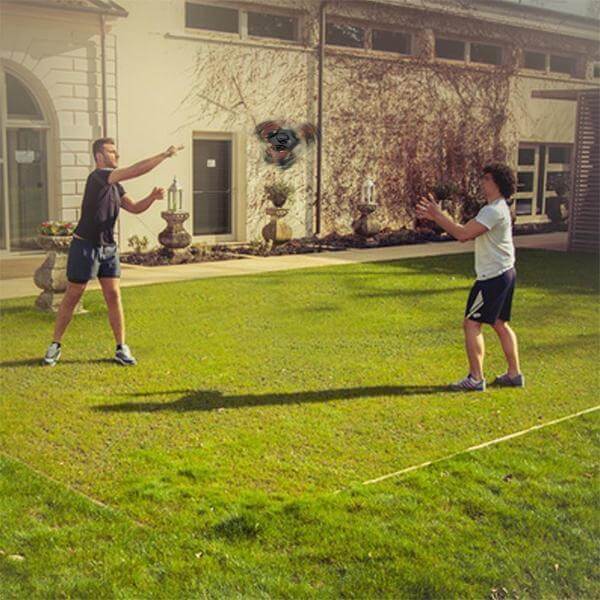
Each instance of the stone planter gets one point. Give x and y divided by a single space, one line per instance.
277 231
366 224
51 276
174 236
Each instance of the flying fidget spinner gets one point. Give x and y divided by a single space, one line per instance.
284 143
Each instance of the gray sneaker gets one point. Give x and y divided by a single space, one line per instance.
124 357
52 355
506 381
469 384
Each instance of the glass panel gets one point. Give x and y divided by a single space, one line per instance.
559 155
27 186
20 103
526 156
215 18
596 71
562 64
534 60
212 187
450 49
554 178
524 206
345 35
486 53
272 26
525 182
391 41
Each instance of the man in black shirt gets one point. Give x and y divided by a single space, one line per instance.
93 251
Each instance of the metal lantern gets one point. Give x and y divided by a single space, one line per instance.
175 196
367 195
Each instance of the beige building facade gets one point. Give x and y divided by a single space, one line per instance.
413 93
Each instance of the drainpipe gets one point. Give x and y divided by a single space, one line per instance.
103 82
320 114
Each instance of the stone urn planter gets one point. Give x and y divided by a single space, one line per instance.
276 231
51 276
174 236
366 224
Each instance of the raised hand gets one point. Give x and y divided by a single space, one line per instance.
173 150
428 208
158 193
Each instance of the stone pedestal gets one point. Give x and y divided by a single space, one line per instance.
277 231
366 224
174 236
51 276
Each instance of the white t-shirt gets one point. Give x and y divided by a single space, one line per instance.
494 249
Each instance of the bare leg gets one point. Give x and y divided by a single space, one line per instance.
508 339
112 295
67 306
475 347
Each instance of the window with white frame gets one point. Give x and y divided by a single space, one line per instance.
359 35
473 52
270 23
540 168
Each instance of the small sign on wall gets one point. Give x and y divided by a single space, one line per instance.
211 162
25 157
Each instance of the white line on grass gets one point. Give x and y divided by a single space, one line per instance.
72 489
479 446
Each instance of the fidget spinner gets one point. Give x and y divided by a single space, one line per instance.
284 143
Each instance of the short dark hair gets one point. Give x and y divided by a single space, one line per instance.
503 177
99 143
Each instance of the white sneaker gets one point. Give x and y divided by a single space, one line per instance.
52 355
124 356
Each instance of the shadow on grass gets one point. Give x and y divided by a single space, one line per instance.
207 400
37 362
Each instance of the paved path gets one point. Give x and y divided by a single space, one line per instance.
17 287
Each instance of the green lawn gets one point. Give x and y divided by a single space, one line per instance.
257 398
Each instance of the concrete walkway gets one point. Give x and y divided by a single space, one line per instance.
17 287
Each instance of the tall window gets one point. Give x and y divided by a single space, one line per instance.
540 168
24 198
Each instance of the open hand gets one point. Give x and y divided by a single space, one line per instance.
173 150
158 193
428 208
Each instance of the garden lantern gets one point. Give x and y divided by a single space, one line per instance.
175 196
367 195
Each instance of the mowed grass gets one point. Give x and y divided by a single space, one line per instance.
257 398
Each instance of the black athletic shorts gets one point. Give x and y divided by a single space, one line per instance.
491 299
87 261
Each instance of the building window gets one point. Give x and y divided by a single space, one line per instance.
213 18
534 60
391 41
596 71
272 26
20 104
562 64
542 168
486 53
450 49
338 34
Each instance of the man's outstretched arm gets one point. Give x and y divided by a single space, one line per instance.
429 209
140 206
142 167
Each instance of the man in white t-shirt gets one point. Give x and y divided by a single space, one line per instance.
490 299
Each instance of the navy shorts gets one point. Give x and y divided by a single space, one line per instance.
491 299
87 261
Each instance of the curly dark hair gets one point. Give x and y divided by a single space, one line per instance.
503 177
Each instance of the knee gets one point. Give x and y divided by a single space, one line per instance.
500 326
470 325
74 293
112 297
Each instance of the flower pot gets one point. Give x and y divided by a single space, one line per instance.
174 236
276 230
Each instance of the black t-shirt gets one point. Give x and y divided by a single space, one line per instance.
100 208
